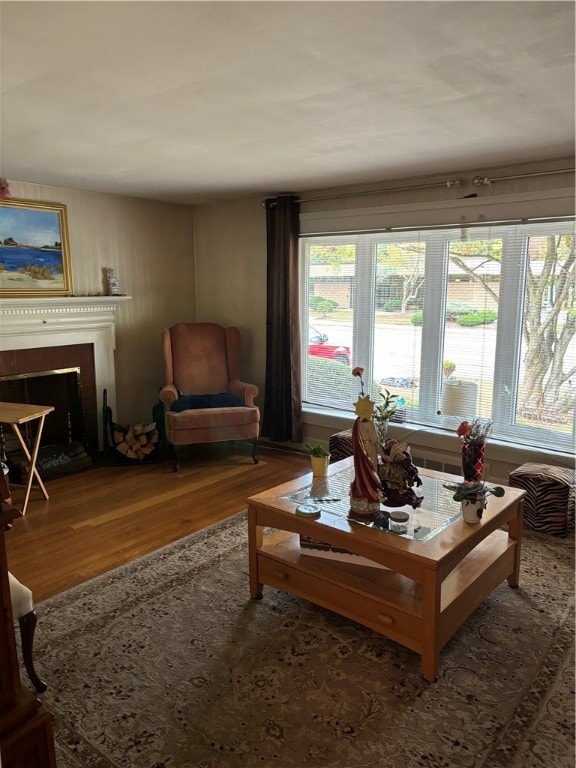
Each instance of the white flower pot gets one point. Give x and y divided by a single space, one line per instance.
472 510
320 465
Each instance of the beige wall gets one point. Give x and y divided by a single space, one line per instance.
150 245
230 248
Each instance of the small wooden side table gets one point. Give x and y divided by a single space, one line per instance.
16 414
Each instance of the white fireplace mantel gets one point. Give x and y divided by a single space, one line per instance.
53 322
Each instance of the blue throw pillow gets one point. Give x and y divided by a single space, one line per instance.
221 400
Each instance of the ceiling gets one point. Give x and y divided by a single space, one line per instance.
196 101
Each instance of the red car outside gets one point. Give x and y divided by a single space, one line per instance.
318 347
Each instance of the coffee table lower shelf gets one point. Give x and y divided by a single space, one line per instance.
381 599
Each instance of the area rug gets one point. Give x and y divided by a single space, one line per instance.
167 663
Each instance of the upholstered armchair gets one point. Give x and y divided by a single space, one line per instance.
204 399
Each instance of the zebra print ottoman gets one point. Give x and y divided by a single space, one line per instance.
549 501
340 445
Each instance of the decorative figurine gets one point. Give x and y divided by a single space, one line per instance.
366 488
399 474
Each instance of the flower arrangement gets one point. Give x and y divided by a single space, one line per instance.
472 491
386 409
474 432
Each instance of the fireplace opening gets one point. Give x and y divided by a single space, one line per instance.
64 447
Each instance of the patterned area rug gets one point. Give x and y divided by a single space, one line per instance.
167 663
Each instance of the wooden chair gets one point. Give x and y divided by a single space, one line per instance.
23 610
22 607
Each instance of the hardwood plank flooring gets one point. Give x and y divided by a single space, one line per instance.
106 516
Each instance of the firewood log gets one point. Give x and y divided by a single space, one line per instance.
129 437
140 429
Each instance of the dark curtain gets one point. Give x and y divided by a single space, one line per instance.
282 420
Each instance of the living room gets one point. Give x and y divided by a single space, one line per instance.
166 254
185 230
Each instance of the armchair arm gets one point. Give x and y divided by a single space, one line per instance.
168 395
248 392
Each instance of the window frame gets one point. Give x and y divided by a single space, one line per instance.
507 359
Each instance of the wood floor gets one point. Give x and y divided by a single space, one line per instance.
106 516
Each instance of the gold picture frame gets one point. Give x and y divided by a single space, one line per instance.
34 251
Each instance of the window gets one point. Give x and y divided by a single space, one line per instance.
476 321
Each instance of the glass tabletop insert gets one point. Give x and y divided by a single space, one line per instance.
438 508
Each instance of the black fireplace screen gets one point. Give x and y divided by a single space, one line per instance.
64 447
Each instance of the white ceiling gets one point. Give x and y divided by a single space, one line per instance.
193 101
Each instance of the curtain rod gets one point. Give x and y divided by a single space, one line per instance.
451 184
484 181
471 225
477 181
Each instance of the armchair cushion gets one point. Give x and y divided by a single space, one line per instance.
221 400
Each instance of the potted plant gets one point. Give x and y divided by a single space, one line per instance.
319 458
473 436
472 497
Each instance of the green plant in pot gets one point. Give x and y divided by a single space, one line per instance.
471 491
385 410
472 497
319 458
317 450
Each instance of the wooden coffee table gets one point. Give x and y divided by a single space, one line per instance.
418 587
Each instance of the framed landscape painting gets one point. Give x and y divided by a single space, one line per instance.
34 255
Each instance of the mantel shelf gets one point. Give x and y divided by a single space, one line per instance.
44 302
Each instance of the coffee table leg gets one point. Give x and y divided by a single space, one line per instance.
255 539
515 532
430 621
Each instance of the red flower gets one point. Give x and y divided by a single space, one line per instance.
464 429
474 432
358 371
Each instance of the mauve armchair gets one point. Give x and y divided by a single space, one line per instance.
204 399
